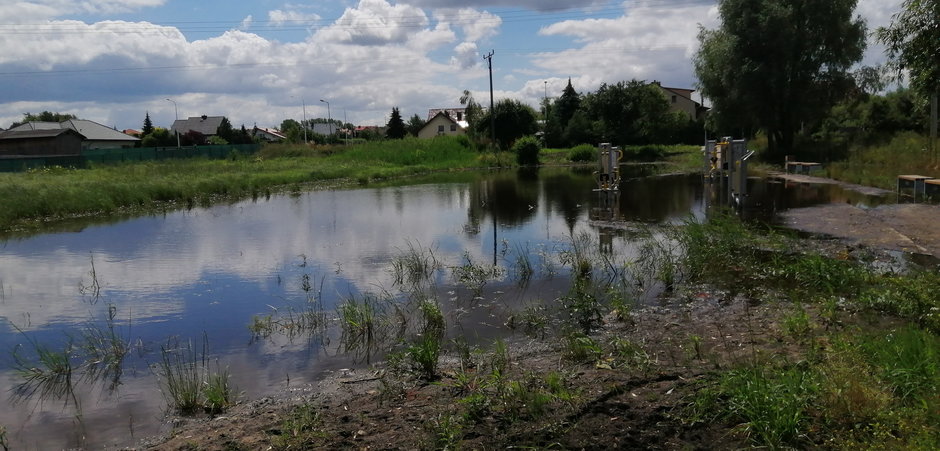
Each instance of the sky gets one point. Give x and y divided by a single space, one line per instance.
260 62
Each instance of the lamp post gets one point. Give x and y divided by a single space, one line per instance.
304 105
329 118
176 112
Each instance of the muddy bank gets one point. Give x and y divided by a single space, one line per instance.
913 228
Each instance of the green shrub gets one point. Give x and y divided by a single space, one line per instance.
583 152
527 151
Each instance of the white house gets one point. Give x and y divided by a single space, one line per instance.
444 122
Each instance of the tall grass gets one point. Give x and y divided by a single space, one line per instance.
879 165
187 381
63 192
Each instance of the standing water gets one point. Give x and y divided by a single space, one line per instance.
197 279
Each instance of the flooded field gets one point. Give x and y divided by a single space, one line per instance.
257 289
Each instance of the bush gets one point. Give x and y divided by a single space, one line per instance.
583 152
527 151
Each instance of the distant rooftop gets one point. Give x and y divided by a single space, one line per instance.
91 130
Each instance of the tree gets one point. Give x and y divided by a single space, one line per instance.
913 43
472 111
781 62
632 112
159 137
415 124
292 130
148 126
396 126
567 105
513 119
226 132
45 116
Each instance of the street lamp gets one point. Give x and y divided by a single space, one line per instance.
176 111
328 116
304 104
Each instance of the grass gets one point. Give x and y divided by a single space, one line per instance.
189 384
300 430
879 165
63 192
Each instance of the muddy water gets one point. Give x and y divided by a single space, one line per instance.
201 275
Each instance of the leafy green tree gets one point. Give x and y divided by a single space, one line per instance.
226 131
45 116
913 43
159 137
781 62
148 125
630 112
415 124
513 119
472 111
396 126
292 130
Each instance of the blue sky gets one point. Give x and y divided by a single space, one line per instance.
259 62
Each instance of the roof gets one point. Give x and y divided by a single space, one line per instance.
206 125
33 134
91 130
271 131
444 114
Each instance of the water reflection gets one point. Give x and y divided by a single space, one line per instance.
230 271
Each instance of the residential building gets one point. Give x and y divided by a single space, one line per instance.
97 136
680 100
205 125
443 123
41 142
325 129
270 135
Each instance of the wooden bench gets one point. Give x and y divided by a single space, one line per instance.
801 167
932 188
919 182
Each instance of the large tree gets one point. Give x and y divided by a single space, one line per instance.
396 126
913 43
415 124
513 119
148 125
778 63
627 112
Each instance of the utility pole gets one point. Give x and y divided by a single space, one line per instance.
489 60
304 105
933 126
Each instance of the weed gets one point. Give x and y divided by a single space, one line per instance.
625 353
181 381
218 392
581 348
444 432
424 356
432 318
104 350
476 407
49 377
533 321
415 265
909 361
771 404
582 306
797 323
300 430
261 326
695 347
362 321
472 275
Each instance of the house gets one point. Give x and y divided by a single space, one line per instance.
132 132
97 136
680 100
270 135
41 142
444 122
205 125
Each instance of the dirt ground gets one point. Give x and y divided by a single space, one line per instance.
908 227
686 336
617 408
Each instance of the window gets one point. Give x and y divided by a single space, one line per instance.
453 127
440 128
459 116
673 99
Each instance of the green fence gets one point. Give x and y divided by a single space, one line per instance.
113 156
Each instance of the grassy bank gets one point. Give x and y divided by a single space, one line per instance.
62 192
906 153
28 198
